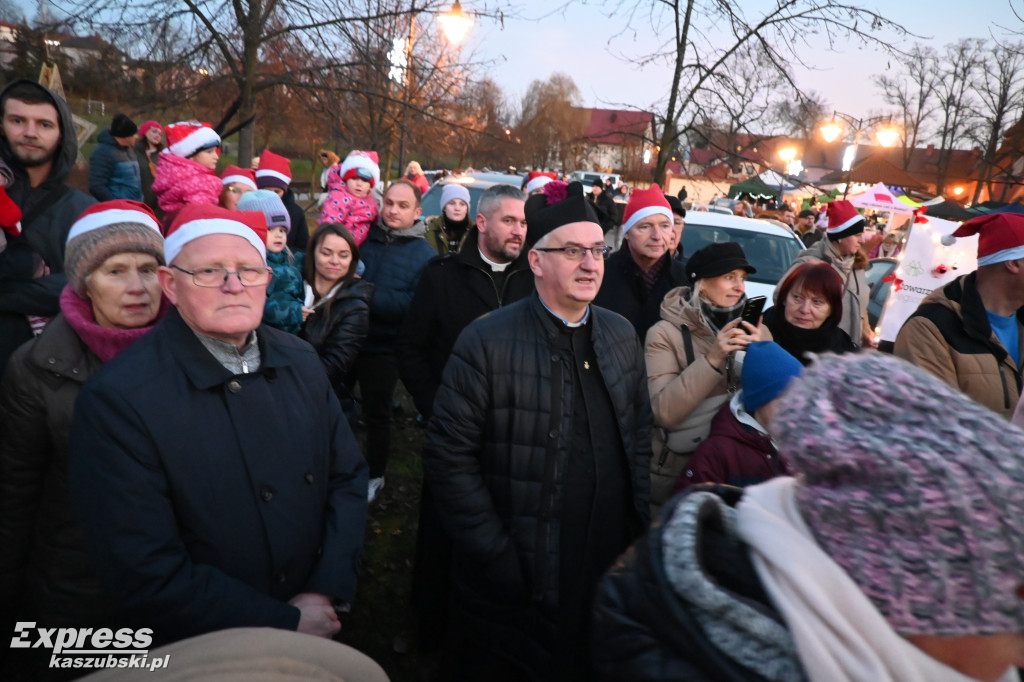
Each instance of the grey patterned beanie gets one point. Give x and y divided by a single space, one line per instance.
914 489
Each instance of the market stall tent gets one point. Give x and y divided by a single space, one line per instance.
881 199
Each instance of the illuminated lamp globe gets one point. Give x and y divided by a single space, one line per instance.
455 24
887 136
831 131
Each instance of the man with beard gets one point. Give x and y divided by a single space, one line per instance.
38 144
490 271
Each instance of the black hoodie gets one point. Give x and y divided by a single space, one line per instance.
48 213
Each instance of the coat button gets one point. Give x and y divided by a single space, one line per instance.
282 577
552 434
320 551
266 493
74 370
309 478
554 358
234 386
52 361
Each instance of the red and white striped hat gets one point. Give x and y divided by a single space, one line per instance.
1000 236
843 220
110 212
198 220
243 176
274 171
185 138
643 204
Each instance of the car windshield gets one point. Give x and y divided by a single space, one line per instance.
432 199
770 254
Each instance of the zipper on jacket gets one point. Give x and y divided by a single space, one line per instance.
1006 389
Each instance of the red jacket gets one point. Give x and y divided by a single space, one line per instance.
734 454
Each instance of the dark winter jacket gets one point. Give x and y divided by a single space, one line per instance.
46 574
623 290
285 293
453 291
208 500
394 261
607 211
337 330
441 236
298 236
734 453
496 458
146 172
950 336
47 214
114 171
709 619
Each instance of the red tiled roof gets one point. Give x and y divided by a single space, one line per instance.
618 126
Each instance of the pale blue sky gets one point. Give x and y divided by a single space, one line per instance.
577 43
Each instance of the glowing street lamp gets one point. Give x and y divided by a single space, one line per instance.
788 156
831 131
455 24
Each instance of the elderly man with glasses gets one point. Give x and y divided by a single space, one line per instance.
217 480
537 457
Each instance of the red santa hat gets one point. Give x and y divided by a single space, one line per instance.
843 220
199 220
107 228
360 164
110 212
243 176
537 179
1000 236
274 171
185 138
643 204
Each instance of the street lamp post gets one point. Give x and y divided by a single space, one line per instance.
454 24
787 154
886 135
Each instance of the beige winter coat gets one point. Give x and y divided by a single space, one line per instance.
684 396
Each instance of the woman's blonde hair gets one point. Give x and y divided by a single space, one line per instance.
414 168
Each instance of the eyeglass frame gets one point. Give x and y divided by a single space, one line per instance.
604 250
227 273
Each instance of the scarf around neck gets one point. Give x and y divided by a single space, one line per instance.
719 316
839 633
105 342
796 340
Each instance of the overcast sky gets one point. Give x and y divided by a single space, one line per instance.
576 43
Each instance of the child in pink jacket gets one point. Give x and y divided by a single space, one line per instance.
186 172
350 201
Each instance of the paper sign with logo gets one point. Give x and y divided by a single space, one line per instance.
880 198
925 264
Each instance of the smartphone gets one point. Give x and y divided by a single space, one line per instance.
752 310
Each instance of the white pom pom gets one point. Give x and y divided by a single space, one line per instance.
948 240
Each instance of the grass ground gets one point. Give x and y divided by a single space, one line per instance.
381 623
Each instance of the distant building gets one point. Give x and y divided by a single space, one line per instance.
616 140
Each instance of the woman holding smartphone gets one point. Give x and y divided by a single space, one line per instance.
691 357
341 305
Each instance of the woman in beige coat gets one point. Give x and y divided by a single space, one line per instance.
691 357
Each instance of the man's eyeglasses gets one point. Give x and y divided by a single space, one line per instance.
213 278
577 253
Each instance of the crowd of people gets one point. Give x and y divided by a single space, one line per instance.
627 474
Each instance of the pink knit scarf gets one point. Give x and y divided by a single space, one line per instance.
105 342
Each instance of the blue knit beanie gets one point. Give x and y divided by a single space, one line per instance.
767 371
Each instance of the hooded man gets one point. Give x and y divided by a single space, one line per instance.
537 457
38 143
